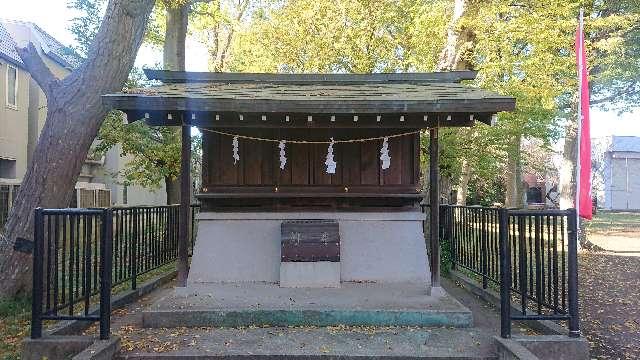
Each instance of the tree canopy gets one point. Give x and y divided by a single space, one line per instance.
523 49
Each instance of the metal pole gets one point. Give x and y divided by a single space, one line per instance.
484 256
579 49
505 273
38 258
452 242
106 256
133 253
185 202
572 268
434 204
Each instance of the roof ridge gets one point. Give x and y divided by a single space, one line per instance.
51 46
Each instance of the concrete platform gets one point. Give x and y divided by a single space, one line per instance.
260 304
322 343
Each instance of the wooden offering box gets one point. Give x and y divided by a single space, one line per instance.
310 253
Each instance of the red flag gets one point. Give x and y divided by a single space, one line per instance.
583 193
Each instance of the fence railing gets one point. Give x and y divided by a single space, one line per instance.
531 255
71 263
81 254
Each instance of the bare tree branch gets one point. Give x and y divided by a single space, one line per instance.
38 69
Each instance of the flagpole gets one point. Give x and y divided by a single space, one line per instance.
579 49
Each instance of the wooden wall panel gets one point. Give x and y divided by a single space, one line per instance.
251 160
350 163
300 163
369 163
358 163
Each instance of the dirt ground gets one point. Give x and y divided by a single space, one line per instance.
610 287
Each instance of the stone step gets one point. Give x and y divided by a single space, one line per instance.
341 342
262 304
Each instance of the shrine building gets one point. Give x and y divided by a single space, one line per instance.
314 180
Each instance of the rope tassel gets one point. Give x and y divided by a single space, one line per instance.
330 162
236 155
283 158
384 154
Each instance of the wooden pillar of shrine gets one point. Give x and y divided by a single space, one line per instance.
185 204
434 205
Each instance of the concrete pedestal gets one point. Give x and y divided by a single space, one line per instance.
378 247
319 274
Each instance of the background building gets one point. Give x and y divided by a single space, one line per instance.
621 173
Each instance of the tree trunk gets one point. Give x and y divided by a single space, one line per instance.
463 186
175 38
455 54
568 169
174 58
74 115
513 197
172 187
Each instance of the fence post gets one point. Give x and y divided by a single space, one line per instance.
106 262
572 268
134 250
505 273
38 257
484 254
449 232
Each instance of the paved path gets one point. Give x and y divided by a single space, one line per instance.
469 343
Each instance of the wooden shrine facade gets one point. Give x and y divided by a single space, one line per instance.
359 183
314 108
244 118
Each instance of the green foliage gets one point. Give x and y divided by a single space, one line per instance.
85 26
329 36
522 49
152 153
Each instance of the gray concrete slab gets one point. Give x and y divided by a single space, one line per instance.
245 304
317 343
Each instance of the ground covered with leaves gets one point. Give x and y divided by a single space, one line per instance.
14 325
610 287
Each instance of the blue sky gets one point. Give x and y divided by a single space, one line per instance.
54 17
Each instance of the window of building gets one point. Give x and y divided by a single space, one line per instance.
7 169
12 87
4 204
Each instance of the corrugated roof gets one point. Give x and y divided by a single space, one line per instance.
8 47
625 144
415 100
312 98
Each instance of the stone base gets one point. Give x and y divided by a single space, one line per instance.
380 247
251 304
319 274
341 343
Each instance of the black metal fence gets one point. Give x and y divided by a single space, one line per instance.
531 255
71 263
81 254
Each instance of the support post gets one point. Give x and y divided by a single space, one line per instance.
185 202
505 273
106 262
434 204
38 273
572 267
133 252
